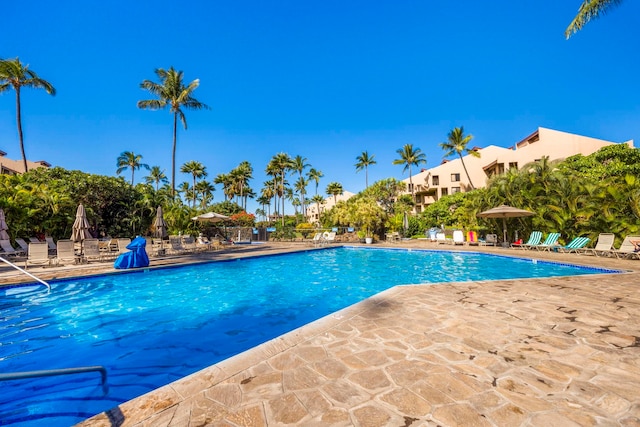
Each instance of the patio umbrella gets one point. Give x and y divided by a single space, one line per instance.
159 225
405 222
80 229
504 212
211 217
3 226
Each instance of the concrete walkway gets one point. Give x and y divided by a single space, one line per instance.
542 352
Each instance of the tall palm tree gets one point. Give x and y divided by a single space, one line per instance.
130 160
318 200
410 157
172 92
14 74
224 179
280 164
299 164
241 175
315 175
334 189
205 189
364 161
589 9
156 176
196 169
457 143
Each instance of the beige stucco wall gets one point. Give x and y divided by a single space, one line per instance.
312 210
544 142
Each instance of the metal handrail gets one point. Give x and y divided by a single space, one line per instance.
53 372
26 272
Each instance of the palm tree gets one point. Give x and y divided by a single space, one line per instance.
172 92
240 176
156 176
409 157
364 161
589 9
278 166
14 74
315 175
334 189
224 179
196 169
205 189
318 200
298 164
457 144
130 160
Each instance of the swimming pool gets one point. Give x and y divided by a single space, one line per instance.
150 328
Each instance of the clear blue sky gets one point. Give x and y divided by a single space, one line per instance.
322 79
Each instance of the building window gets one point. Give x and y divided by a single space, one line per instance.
455 177
513 165
455 190
436 180
444 191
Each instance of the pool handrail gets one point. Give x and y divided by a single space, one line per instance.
26 272
53 372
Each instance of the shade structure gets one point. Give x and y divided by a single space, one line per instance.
159 225
504 212
405 222
80 229
3 226
211 217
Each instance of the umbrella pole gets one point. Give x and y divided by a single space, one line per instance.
504 231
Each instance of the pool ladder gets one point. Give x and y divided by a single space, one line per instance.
54 372
25 272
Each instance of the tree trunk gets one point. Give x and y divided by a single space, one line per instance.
19 123
173 155
467 172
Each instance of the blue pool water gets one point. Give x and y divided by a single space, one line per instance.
151 328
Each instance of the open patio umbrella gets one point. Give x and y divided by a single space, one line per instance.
3 226
504 212
159 225
211 217
80 229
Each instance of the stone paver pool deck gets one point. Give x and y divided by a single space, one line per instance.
541 352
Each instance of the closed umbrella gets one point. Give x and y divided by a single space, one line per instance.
159 225
504 212
80 229
405 222
3 226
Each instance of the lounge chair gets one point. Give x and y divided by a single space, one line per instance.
534 239
34 240
65 252
573 246
38 255
472 238
550 241
441 238
317 238
7 249
51 244
91 250
189 244
23 245
330 237
175 243
489 240
458 237
122 245
604 245
627 249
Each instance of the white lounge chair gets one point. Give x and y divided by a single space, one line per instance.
458 237
23 245
38 255
91 250
627 249
65 252
7 249
604 245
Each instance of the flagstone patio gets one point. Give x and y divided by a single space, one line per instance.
541 352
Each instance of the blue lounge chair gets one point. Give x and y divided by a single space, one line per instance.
573 246
534 239
551 240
